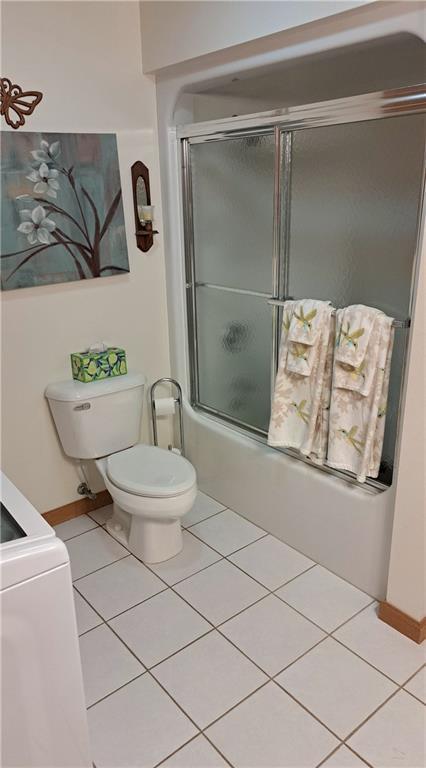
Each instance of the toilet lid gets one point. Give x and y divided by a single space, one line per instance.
148 471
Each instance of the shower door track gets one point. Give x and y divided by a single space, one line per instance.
282 123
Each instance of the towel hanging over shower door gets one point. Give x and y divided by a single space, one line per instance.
299 416
362 359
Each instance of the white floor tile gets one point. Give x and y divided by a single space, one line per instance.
137 726
395 735
220 591
74 527
208 678
417 685
194 556
119 586
269 730
336 686
106 663
343 758
93 550
271 562
86 617
227 532
159 627
203 508
102 514
197 754
324 598
272 634
381 645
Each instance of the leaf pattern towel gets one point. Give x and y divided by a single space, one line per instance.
357 420
298 406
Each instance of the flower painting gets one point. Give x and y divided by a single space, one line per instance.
62 214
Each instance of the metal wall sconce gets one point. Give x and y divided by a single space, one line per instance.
144 211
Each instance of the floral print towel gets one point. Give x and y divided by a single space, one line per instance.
304 335
298 407
357 414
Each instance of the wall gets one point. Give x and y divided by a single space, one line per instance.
407 568
217 25
86 59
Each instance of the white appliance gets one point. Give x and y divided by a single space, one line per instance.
43 712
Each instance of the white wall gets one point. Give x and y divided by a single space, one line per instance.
86 59
407 568
173 32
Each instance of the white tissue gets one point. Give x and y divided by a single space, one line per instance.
100 346
164 406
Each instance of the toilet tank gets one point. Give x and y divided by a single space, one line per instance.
97 418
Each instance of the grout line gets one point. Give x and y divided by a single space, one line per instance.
203 520
107 695
197 735
391 680
100 568
77 535
366 719
130 608
184 647
284 583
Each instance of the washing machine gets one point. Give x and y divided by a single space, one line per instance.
43 713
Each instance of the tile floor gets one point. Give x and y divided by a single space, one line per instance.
238 652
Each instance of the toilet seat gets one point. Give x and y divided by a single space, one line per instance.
146 470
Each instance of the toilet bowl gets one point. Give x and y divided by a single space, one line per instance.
151 488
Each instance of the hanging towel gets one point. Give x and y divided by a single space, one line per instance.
355 369
359 390
298 395
306 326
320 442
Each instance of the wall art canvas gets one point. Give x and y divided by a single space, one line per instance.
61 209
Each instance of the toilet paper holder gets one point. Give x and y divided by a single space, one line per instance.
178 404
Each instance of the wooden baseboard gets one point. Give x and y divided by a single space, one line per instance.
76 508
415 630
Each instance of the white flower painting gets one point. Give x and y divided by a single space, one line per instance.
62 214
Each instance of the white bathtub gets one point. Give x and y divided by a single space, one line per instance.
345 528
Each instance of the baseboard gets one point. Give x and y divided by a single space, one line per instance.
415 630
76 508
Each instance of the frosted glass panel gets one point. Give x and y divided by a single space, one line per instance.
355 192
233 187
234 354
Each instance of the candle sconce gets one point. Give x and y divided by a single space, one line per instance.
144 211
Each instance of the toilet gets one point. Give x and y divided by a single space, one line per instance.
151 488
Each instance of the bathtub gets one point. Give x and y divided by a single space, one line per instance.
339 525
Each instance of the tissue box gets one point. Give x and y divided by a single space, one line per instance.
94 366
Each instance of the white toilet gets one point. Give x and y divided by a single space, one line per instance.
152 488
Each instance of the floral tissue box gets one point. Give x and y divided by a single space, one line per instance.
94 366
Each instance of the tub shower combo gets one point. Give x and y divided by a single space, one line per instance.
321 201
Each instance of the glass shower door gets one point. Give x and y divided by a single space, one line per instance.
353 210
232 183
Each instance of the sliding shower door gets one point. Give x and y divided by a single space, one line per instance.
301 209
354 204
232 184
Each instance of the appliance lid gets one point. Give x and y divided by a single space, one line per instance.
149 471
35 551
72 390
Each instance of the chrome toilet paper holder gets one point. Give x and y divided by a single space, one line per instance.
178 403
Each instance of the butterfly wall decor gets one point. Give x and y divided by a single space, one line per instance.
16 104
